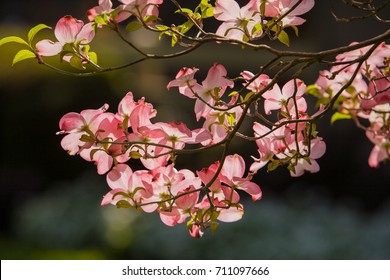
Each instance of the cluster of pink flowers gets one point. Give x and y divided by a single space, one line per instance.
67 31
111 140
77 35
208 104
357 85
291 140
367 99
127 8
247 22
287 143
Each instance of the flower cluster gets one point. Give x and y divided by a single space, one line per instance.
219 118
291 140
109 140
210 194
74 36
252 20
281 124
138 8
360 84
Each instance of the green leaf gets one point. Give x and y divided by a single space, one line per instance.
204 3
93 57
339 116
185 11
135 155
208 12
206 8
123 204
307 159
76 62
86 48
257 28
262 7
12 39
133 26
340 100
313 128
125 123
221 119
101 19
93 152
164 31
124 194
33 31
283 38
273 165
284 114
214 226
23 55
351 90
162 27
313 90
150 18
249 95
185 27
160 35
214 215
87 138
67 48
231 118
175 39
295 30
137 189
291 167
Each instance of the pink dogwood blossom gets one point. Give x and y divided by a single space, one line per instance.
206 94
330 86
78 124
104 7
381 140
103 152
220 123
126 185
280 8
265 146
175 135
257 84
135 113
305 161
222 195
282 99
212 88
68 30
139 8
167 183
238 23
184 81
379 93
232 174
373 62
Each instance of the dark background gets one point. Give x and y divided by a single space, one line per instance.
50 202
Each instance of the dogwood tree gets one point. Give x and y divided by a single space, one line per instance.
354 84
